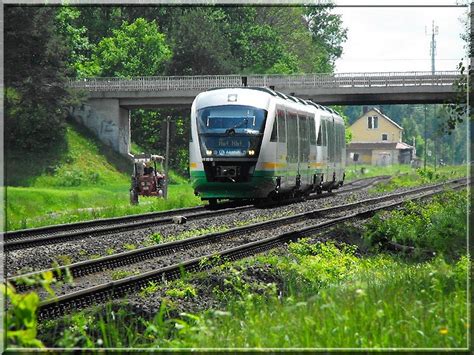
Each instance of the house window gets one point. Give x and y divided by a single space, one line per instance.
384 137
372 122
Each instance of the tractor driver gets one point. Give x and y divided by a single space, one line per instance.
148 169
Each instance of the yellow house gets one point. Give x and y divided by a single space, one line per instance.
377 140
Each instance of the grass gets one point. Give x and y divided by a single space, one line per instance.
419 177
35 207
83 183
383 303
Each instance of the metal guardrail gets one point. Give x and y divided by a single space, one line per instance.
203 82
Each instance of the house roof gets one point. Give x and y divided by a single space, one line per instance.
379 145
381 114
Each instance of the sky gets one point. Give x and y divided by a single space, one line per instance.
382 39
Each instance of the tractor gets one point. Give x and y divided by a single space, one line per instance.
148 177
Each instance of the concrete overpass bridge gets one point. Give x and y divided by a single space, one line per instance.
107 110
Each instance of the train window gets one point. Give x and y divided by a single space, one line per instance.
221 119
319 141
325 142
312 131
292 141
281 126
274 136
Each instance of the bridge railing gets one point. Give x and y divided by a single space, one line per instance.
203 82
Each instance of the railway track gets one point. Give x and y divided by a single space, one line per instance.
65 232
119 288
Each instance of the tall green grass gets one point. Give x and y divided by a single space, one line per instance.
384 303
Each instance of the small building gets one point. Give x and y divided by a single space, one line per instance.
377 140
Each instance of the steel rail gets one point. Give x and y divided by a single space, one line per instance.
117 289
106 229
66 232
87 267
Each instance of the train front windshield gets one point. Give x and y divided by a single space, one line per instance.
231 131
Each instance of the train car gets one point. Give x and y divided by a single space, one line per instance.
256 143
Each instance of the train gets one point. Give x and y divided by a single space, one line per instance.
255 143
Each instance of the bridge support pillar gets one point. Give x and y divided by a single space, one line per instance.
108 121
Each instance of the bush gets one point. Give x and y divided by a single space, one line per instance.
440 225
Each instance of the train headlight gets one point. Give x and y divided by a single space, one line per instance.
251 152
209 152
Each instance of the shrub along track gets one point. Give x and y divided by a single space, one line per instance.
218 247
28 238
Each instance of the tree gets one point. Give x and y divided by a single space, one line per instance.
328 34
35 77
136 49
199 44
80 48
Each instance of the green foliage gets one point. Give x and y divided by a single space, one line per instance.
199 45
328 34
149 289
20 317
439 226
181 289
156 238
261 51
121 274
322 263
357 313
136 49
128 246
78 43
35 74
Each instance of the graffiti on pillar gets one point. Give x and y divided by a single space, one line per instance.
105 129
109 132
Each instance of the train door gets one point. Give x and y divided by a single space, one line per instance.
292 146
324 148
303 151
281 152
312 166
337 149
331 149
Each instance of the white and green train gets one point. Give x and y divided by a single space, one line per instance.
256 143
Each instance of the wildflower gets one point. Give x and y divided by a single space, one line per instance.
100 342
443 330
360 292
